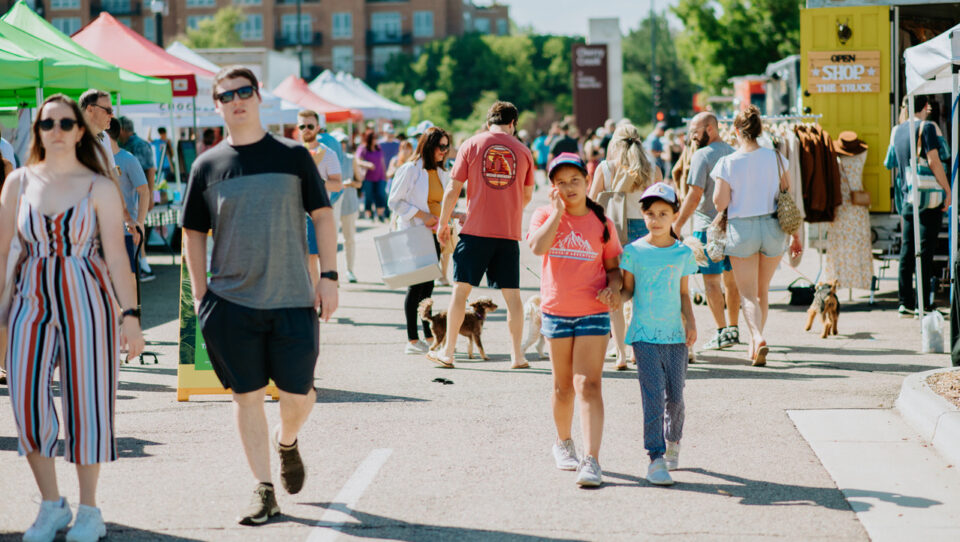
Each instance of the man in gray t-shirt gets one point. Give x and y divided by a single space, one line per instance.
705 134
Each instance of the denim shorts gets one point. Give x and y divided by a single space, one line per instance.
750 235
636 228
561 327
712 268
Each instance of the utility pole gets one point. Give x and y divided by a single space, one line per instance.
300 39
653 62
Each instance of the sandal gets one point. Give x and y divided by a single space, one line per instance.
442 361
760 358
524 366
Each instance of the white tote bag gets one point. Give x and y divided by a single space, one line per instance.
407 257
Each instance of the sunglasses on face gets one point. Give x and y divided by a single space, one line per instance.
107 110
307 127
443 148
244 93
66 124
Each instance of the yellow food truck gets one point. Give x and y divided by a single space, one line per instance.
852 71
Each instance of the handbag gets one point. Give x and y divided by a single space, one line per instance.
408 257
787 212
860 198
614 205
717 237
923 180
15 257
801 295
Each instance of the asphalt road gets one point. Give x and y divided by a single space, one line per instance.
393 455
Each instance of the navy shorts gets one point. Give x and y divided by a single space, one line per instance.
499 259
131 252
249 347
712 268
312 247
561 327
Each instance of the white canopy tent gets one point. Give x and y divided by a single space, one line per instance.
349 92
933 67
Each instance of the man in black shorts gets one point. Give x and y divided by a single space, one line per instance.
258 314
498 170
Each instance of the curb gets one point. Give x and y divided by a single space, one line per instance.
935 418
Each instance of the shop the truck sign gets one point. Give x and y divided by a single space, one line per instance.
843 72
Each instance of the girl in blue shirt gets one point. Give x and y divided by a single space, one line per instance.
655 269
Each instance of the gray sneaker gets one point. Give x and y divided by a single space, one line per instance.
88 527
589 473
565 454
53 516
262 506
715 343
658 474
732 334
672 457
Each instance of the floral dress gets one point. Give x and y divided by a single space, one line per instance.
849 250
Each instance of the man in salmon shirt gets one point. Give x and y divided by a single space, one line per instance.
498 171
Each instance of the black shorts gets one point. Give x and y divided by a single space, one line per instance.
248 347
498 258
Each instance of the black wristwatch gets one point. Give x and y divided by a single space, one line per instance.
331 275
130 312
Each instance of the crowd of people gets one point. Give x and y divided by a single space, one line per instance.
81 197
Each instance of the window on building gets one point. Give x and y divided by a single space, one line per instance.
503 27
342 25
288 27
200 3
386 25
343 58
64 4
150 28
482 25
423 24
116 6
193 21
67 25
251 29
248 2
125 21
382 55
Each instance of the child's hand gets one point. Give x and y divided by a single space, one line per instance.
690 327
609 297
556 202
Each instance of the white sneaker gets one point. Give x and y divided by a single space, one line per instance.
53 516
351 277
672 457
565 454
416 348
658 474
589 473
89 526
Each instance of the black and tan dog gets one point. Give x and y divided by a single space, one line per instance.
826 304
471 328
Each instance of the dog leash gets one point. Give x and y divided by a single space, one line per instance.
534 273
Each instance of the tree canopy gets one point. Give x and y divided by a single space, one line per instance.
220 31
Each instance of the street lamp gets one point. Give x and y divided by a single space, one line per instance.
158 8
419 95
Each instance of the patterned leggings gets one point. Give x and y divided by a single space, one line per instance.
662 370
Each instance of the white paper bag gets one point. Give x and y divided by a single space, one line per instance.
407 257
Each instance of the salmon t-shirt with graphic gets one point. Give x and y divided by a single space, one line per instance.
495 166
574 264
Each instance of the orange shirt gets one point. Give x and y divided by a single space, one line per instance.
434 193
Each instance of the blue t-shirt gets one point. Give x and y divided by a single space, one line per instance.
390 149
131 178
656 292
159 147
542 149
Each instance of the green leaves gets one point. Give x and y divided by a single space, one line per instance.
218 32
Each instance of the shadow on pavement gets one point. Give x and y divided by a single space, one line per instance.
127 447
350 322
384 528
760 493
327 395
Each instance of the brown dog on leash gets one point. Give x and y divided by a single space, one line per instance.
471 328
825 303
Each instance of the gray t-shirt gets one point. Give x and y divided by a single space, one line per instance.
254 198
131 178
701 164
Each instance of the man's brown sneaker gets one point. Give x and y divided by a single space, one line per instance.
292 471
263 506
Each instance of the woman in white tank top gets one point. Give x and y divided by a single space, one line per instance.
627 169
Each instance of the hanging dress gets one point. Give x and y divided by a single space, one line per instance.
849 250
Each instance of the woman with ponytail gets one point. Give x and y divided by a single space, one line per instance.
580 284
627 169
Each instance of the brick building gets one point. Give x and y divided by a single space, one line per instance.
357 36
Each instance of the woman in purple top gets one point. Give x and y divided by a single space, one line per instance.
375 184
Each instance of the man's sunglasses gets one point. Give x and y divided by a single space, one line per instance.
307 127
244 93
107 110
66 124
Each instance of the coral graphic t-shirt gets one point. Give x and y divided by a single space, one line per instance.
574 264
495 167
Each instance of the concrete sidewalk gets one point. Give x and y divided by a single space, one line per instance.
393 455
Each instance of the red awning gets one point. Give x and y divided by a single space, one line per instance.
118 44
293 89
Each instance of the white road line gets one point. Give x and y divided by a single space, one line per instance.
338 514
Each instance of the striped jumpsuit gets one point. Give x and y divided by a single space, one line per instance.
63 315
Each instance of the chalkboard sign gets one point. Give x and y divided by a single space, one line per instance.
187 153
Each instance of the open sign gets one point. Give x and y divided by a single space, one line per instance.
843 71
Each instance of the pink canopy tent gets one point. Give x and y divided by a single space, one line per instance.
294 89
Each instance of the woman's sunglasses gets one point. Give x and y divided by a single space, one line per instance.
65 124
443 148
244 93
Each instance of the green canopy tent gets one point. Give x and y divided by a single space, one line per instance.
18 71
133 88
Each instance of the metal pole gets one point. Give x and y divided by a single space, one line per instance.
300 40
951 179
915 197
159 28
653 61
175 132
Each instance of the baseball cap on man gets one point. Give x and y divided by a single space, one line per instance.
388 128
566 159
661 191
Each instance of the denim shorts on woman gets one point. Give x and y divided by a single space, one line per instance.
748 236
561 327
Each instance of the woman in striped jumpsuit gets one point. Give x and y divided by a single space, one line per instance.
64 314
